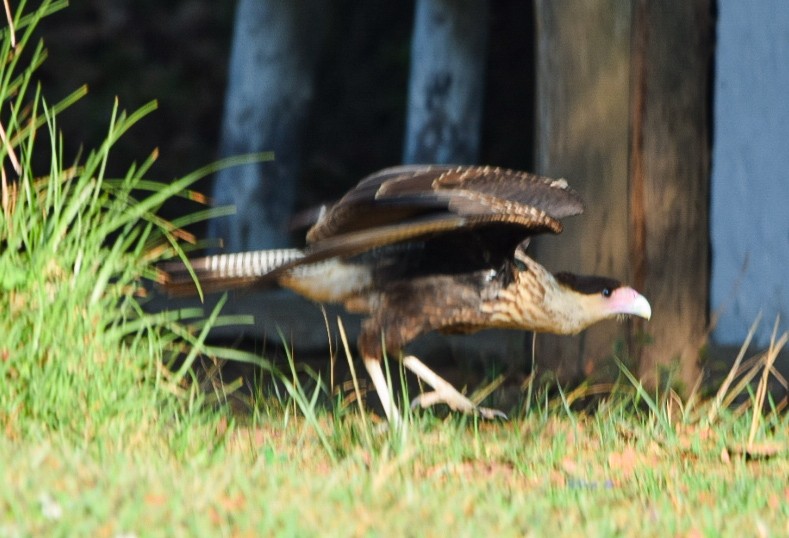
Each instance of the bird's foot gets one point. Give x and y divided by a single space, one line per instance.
444 392
456 402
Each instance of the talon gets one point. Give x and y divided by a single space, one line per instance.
491 414
428 399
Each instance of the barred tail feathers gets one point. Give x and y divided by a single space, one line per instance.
225 271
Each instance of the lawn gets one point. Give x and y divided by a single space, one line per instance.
108 430
609 474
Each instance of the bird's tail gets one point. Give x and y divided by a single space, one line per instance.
224 271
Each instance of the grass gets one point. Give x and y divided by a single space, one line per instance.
607 474
107 431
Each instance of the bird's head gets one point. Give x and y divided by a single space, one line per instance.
561 303
598 298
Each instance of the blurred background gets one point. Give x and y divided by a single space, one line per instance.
670 118
177 52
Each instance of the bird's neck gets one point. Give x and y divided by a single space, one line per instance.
534 300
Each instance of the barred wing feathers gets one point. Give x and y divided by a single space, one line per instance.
481 194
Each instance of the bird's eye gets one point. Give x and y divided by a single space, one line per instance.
606 292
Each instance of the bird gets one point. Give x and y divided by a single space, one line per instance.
423 248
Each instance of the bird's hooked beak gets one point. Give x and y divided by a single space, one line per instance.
628 302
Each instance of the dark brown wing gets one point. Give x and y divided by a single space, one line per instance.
479 194
441 204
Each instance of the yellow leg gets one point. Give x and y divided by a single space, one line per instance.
376 373
444 392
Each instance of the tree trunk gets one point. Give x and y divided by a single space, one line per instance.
274 50
446 83
622 108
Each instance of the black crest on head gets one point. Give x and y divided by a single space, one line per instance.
588 285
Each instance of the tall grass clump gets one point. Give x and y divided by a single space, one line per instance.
77 353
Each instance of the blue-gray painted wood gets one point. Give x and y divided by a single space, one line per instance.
750 169
274 50
446 84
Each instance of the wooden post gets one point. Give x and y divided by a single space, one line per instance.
447 80
582 134
670 154
270 86
622 113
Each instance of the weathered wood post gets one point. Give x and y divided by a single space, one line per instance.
270 85
669 179
582 134
622 101
446 83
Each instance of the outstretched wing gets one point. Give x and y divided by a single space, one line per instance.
406 203
482 194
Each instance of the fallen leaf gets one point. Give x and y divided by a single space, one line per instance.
570 466
155 499
624 461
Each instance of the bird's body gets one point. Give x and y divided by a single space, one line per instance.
432 248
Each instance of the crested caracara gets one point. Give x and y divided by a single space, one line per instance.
431 248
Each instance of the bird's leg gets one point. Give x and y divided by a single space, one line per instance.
376 373
444 392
